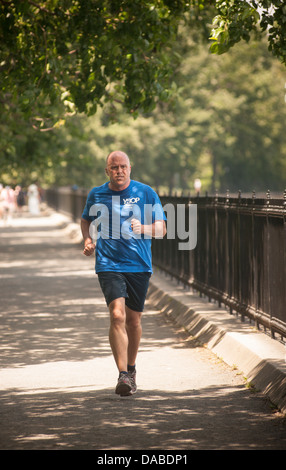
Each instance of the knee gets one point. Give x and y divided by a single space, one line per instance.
133 322
117 317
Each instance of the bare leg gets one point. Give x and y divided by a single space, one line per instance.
134 332
124 333
117 333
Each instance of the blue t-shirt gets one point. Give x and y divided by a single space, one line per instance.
110 213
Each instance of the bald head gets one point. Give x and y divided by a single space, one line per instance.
118 169
117 153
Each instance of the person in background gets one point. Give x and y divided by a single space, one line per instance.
33 199
20 198
1 201
8 204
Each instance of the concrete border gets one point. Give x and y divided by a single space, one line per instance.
260 358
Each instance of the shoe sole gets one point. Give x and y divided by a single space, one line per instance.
123 390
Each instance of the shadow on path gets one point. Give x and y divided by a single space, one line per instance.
56 364
192 419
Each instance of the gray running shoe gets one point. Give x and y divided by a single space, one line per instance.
132 378
123 387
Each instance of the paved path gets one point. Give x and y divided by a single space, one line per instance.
57 375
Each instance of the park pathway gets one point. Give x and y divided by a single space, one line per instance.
57 375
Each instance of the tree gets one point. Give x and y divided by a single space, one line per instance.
226 125
62 59
231 114
237 20
81 55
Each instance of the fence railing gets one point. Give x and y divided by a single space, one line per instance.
68 201
240 256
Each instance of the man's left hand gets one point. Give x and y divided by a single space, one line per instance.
136 226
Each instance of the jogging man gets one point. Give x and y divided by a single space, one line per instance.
126 215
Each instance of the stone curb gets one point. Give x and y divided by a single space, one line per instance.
260 358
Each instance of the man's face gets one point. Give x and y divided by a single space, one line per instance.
118 169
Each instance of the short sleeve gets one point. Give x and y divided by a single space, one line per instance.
157 210
88 204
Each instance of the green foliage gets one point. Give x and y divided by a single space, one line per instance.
238 115
237 20
226 127
73 75
84 54
78 56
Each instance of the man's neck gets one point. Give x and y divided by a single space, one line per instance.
118 187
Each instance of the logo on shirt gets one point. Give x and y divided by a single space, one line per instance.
131 200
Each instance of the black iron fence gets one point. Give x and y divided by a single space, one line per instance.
68 201
240 256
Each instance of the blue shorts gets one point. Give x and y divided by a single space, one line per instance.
132 286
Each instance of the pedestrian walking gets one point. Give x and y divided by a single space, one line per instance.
33 199
20 199
8 204
126 215
1 201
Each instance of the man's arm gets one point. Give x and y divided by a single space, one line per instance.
89 246
155 230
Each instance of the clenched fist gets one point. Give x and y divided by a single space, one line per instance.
136 226
89 249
